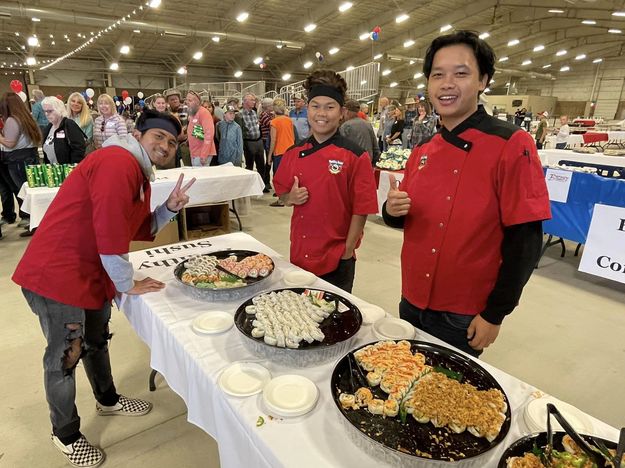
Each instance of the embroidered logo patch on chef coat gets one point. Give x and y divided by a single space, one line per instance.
335 166
423 161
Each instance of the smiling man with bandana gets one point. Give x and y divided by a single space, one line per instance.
328 181
77 260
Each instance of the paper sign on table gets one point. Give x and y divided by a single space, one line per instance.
604 252
558 183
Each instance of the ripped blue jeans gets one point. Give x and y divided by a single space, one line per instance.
73 334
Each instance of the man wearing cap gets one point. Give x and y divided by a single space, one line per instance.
175 107
230 138
409 116
253 149
77 261
541 131
359 131
299 116
201 132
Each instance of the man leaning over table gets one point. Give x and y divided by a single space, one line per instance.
76 262
471 204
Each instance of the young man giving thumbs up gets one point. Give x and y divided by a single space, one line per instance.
471 205
329 182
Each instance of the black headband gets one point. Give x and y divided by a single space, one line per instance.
157 122
324 90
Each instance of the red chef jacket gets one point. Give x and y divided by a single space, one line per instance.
99 209
465 187
340 183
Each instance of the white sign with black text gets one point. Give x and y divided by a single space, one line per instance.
558 184
604 252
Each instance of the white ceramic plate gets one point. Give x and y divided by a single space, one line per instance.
371 313
290 395
391 328
242 379
535 416
299 278
213 322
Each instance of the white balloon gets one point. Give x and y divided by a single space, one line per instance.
90 92
128 100
117 103
22 96
140 95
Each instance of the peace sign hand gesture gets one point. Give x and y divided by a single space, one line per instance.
178 197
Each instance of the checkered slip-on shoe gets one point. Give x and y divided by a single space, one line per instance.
125 407
81 453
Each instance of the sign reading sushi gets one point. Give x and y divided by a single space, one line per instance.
604 252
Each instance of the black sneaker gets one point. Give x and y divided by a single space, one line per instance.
125 407
266 190
81 453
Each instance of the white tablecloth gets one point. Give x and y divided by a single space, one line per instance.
213 185
192 363
553 156
577 139
384 186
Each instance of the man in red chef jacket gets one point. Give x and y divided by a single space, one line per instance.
78 259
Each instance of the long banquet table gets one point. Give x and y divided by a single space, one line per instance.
192 363
553 156
213 185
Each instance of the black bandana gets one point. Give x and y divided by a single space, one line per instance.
163 124
329 91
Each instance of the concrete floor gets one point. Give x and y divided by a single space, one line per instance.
566 338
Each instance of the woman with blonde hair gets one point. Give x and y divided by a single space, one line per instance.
64 141
108 123
78 111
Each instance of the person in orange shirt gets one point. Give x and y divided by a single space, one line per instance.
282 137
201 132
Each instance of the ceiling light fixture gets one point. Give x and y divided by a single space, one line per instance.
238 74
560 53
349 68
198 55
35 20
386 72
417 75
589 22
393 84
513 42
378 56
364 36
580 57
615 31
408 43
484 35
33 41
258 60
363 82
310 27
154 3
343 7
136 31
597 60
215 39
421 86
556 10
445 28
333 50
125 49
308 64
31 61
565 68
242 16
538 48
114 66
547 66
619 13
182 71
526 62
487 90
401 18
503 59
286 77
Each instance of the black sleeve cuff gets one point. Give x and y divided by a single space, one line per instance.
392 221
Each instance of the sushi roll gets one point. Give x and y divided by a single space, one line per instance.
270 340
391 408
291 343
347 400
457 427
373 379
376 406
253 273
420 417
363 397
258 332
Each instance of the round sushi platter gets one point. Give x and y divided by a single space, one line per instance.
224 275
401 439
537 441
326 324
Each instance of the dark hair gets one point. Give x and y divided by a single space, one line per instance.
11 105
148 114
425 105
326 78
484 54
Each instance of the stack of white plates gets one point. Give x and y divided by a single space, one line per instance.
535 416
391 328
299 278
212 322
371 313
242 379
290 395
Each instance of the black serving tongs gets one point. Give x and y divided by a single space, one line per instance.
594 453
356 376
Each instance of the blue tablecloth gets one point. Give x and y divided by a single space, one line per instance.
571 220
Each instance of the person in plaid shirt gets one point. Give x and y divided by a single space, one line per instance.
252 141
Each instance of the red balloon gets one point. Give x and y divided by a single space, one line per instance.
377 29
16 86
124 94
59 97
